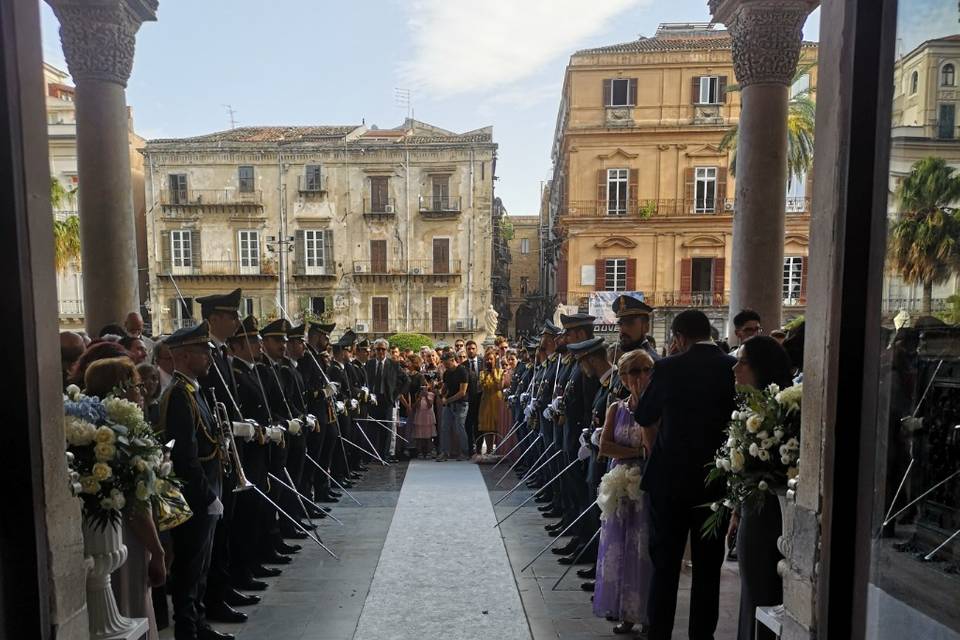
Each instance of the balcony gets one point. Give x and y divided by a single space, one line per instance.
64 215
70 308
913 305
442 326
180 323
377 269
438 207
187 203
380 209
310 185
681 299
434 268
380 326
649 209
223 270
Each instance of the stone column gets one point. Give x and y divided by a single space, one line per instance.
98 38
766 37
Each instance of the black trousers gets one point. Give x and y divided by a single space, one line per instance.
339 455
251 513
379 432
672 521
308 477
192 545
470 425
296 450
220 576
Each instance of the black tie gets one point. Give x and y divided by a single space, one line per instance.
379 376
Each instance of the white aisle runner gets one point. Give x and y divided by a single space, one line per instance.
443 572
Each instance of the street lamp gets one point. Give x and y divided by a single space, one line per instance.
281 246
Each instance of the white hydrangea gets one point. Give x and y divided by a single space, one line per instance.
754 449
122 411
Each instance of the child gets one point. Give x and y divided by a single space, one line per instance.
424 419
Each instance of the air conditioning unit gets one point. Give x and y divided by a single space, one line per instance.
361 268
460 325
388 208
416 271
728 206
361 327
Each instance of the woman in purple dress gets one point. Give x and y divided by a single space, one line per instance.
623 565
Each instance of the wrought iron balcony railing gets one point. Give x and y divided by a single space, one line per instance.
444 205
210 197
262 267
379 207
433 267
645 209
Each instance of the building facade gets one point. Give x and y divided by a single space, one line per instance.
642 195
524 246
378 230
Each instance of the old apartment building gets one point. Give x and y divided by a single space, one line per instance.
378 230
642 194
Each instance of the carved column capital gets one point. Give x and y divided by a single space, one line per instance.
766 37
99 36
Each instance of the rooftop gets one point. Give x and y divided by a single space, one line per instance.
268 134
675 36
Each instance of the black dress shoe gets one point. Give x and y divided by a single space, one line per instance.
572 558
260 571
236 599
354 475
222 612
347 484
552 514
327 498
209 633
306 524
587 586
554 528
545 507
334 494
276 558
542 499
283 547
567 549
587 574
250 584
293 533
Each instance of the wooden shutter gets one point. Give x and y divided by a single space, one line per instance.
600 275
689 190
719 280
327 304
632 91
195 252
632 188
721 190
686 280
803 279
381 318
607 92
562 280
695 92
299 249
172 304
378 256
165 266
722 89
601 191
438 315
328 262
441 255
631 274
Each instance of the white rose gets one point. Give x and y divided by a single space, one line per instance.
773 389
89 484
762 485
104 451
106 503
728 503
784 450
793 443
763 454
731 442
769 443
105 435
785 460
715 506
763 435
726 464
719 463
753 423
735 415
142 492
73 391
754 449
119 501
165 469
778 434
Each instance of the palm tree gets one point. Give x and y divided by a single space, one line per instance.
66 232
925 238
801 115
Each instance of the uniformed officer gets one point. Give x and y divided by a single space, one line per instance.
546 392
633 321
295 389
343 463
186 418
313 482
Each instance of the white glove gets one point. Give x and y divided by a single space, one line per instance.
244 430
584 453
311 421
595 438
911 424
583 439
524 397
511 398
548 413
528 412
354 405
365 393
294 427
555 405
330 390
275 434
341 408
373 399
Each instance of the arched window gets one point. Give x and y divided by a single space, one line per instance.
947 75
914 81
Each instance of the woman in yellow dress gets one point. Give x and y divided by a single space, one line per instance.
491 400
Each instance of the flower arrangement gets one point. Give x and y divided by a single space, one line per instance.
762 450
115 459
623 481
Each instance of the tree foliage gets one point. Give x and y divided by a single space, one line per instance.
411 341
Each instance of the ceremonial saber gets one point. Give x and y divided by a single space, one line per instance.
332 479
513 429
535 494
517 486
517 461
361 449
560 535
930 555
574 563
383 423
510 450
533 467
302 497
922 496
376 454
294 521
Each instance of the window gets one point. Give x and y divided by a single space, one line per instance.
378 256
621 92
181 251
802 85
245 179
705 199
792 279
524 246
797 193
183 313
709 90
701 276
947 121
248 243
318 305
177 183
439 317
914 81
312 177
615 274
948 75
441 193
441 255
379 194
314 252
588 275
247 307
524 285
381 314
617 183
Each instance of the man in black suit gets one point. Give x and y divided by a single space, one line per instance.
473 364
383 378
691 396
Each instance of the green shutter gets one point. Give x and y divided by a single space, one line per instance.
195 251
299 260
328 263
165 252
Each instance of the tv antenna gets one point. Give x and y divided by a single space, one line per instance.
401 98
232 113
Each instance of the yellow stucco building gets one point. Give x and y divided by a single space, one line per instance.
642 194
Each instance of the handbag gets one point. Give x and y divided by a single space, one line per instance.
171 510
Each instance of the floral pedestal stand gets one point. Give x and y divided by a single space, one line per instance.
105 548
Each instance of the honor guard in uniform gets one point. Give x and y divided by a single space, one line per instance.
592 356
218 385
546 392
187 418
295 389
318 344
344 467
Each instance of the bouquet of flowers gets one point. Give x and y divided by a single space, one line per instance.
623 481
115 459
762 450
